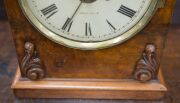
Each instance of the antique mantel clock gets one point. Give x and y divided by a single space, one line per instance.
88 48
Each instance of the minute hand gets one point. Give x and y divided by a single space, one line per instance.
76 10
69 20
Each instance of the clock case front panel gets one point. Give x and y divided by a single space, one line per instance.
71 73
117 62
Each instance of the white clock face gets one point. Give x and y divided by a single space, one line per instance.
89 20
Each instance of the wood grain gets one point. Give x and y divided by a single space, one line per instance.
85 88
8 65
114 63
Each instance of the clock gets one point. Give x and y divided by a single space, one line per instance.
89 48
89 24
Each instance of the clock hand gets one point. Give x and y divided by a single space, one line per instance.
69 20
76 10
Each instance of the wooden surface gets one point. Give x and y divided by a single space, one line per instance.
8 65
117 62
89 89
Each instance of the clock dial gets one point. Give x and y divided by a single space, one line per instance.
89 24
95 21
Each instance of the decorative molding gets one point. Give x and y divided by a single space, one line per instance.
31 65
147 67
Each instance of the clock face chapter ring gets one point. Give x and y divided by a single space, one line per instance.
90 41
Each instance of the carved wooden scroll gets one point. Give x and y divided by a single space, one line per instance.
31 65
147 67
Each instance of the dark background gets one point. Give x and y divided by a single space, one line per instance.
176 15
2 11
171 66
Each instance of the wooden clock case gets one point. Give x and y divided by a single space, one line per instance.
126 71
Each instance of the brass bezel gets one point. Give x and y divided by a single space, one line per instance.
89 46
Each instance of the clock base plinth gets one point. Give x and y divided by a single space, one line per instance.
88 88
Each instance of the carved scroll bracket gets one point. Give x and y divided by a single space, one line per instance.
147 67
31 65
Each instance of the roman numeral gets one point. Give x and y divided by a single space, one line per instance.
49 11
110 25
88 31
126 11
67 25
